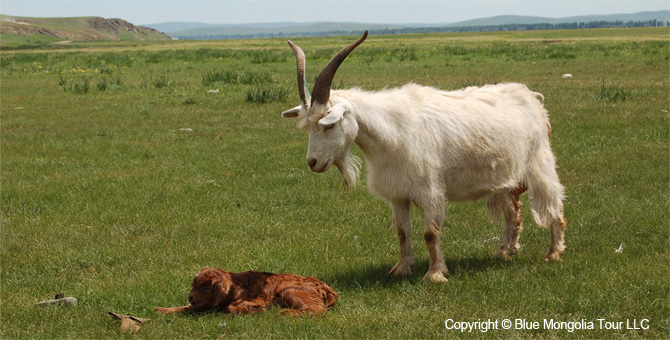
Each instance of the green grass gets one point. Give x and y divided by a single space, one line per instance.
118 196
611 92
265 94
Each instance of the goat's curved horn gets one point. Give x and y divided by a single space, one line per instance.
325 80
302 82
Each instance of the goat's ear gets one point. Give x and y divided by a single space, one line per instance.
292 113
333 115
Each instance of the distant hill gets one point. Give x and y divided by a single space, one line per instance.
194 30
208 31
171 27
517 19
23 30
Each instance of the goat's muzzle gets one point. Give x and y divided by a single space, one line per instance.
311 163
318 167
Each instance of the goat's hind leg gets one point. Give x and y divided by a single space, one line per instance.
557 246
403 225
510 205
546 203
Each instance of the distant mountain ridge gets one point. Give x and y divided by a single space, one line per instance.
517 19
285 29
194 30
171 27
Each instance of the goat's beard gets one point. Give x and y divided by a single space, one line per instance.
349 167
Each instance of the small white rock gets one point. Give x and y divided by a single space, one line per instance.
620 250
66 301
567 75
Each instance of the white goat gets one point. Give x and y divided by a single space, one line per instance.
427 146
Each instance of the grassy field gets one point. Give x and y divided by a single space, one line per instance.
122 176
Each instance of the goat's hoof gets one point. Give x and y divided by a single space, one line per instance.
504 254
401 269
435 277
553 256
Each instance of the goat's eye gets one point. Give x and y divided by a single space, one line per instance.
328 127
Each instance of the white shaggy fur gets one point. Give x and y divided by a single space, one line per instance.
427 146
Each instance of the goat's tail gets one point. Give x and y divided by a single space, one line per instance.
545 192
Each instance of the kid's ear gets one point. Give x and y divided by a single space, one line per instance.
334 115
292 113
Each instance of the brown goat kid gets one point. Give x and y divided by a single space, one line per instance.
252 291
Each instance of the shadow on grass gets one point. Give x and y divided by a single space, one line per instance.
376 276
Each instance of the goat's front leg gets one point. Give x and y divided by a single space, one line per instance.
403 225
434 215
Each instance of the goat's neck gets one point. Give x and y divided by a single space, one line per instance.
376 131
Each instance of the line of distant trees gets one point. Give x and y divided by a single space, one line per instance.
446 29
528 27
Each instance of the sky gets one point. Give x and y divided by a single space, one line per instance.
142 12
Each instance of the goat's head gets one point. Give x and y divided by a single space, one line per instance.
331 129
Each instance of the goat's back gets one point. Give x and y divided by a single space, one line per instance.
469 142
